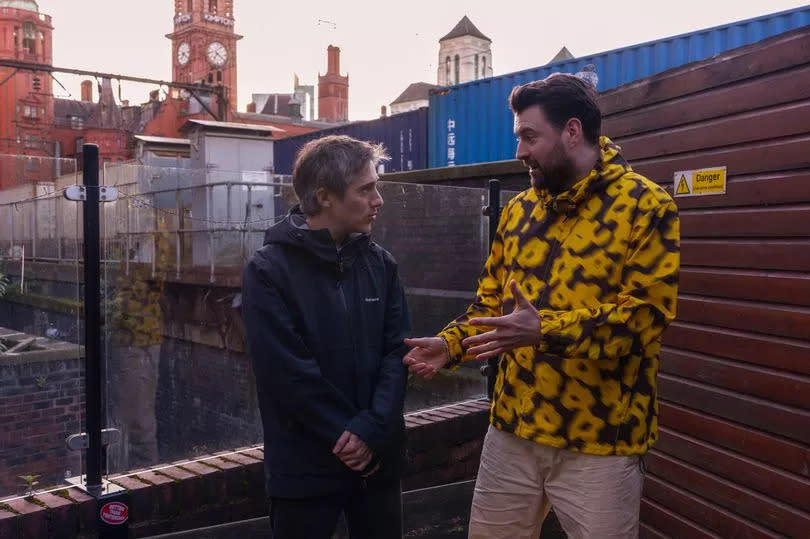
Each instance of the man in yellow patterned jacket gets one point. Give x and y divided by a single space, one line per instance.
580 283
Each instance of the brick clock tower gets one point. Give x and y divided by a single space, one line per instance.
204 44
26 97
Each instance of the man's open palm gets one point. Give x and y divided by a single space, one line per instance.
427 356
519 328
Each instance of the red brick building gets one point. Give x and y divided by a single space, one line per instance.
204 45
203 48
26 104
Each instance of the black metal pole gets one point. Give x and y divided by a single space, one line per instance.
494 214
92 319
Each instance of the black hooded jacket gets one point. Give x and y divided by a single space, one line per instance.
325 327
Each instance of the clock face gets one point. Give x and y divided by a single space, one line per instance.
217 54
183 53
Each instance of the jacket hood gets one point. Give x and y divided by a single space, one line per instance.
610 167
293 231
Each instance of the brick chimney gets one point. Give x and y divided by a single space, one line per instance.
87 90
333 90
333 64
251 107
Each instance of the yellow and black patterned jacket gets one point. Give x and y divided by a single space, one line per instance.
600 263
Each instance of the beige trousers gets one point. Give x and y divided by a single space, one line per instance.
519 481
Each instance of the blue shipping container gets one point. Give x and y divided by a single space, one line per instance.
403 135
471 122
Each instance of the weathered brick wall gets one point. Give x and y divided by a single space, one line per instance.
41 404
206 400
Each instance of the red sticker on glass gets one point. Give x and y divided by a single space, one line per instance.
114 513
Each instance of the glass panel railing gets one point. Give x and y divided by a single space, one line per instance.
41 335
179 381
439 236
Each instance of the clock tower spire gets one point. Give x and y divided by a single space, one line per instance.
204 44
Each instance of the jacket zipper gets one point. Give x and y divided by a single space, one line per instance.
348 317
552 255
541 301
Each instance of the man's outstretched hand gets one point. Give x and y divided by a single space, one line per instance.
427 356
353 451
515 330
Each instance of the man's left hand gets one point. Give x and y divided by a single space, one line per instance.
353 451
515 330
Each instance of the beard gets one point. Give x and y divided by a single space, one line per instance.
556 174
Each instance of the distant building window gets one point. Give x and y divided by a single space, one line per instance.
16 36
447 71
476 67
30 141
484 66
29 111
457 64
190 6
30 38
76 122
212 7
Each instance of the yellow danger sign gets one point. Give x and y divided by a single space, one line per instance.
704 181
683 186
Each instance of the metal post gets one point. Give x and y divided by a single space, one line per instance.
155 237
228 207
92 319
57 205
128 252
494 214
178 248
247 220
11 231
34 225
211 246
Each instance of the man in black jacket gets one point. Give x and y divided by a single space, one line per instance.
325 315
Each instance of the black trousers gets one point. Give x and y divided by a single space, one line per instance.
373 510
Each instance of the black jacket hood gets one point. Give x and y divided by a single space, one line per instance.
293 231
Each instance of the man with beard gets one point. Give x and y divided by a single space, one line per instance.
578 288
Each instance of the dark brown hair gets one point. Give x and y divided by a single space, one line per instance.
330 162
562 97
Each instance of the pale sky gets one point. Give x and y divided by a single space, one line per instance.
385 45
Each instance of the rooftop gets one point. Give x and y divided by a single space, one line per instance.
465 27
30 5
414 92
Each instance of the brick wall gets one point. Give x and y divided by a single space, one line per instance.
41 404
443 445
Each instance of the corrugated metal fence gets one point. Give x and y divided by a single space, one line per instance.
734 453
471 123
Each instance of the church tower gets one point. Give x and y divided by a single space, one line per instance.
204 44
465 54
